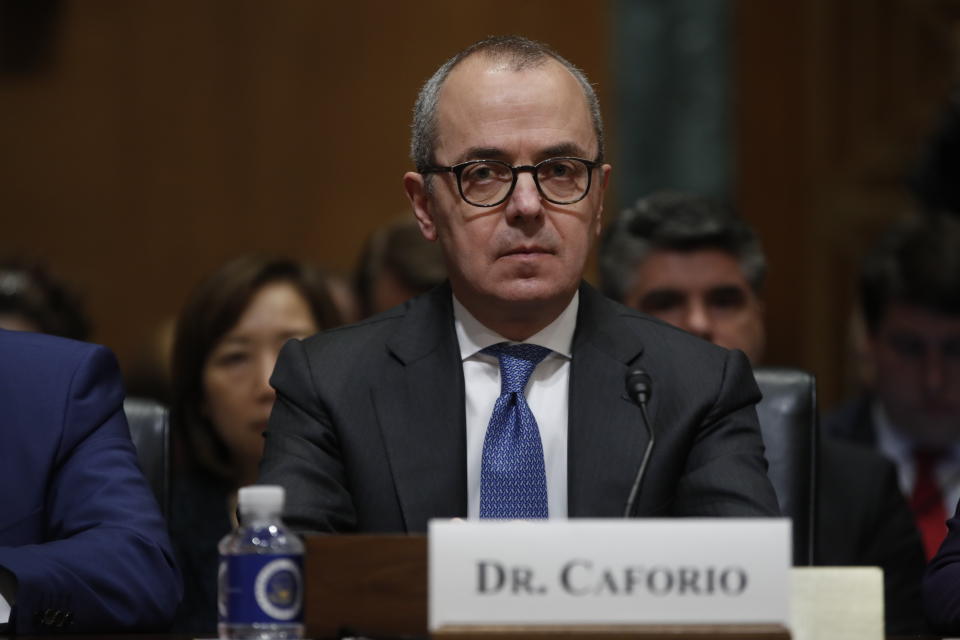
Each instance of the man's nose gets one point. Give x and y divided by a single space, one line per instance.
698 321
525 200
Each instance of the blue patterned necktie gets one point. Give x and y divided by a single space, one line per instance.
513 482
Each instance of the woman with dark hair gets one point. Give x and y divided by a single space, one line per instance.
226 344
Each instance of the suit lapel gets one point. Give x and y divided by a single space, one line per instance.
420 408
606 435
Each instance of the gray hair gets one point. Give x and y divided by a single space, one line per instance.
521 53
676 222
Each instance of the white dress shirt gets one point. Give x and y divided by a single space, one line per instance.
547 395
8 589
899 448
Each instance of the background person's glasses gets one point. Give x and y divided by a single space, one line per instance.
487 183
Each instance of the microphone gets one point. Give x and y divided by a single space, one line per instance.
639 386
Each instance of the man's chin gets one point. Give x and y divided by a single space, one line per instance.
532 291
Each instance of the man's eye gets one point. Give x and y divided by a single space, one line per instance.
557 169
486 172
660 301
481 173
727 297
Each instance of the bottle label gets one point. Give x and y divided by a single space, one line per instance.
260 588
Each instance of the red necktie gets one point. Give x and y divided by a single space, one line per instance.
927 502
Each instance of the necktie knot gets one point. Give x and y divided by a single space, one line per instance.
517 362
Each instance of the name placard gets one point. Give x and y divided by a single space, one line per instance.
588 572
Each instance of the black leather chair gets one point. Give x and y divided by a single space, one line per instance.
788 421
150 430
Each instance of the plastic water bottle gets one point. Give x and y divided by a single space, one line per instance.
261 572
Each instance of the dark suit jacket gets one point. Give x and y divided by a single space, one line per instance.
852 421
79 526
198 521
941 586
368 430
864 520
893 545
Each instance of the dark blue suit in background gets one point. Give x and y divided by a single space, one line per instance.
79 527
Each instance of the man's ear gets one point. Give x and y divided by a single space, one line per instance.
602 186
416 187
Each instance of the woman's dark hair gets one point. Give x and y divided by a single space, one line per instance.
211 311
28 290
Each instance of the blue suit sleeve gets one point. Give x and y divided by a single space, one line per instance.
103 561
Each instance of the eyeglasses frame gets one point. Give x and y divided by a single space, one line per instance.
459 168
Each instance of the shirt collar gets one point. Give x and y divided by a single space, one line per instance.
889 439
475 337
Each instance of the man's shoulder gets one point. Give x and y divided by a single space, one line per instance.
25 343
367 335
46 360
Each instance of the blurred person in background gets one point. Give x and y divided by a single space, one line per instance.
397 264
695 264
344 297
83 547
934 181
226 343
910 300
32 299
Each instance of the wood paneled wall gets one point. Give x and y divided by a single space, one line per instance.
166 136
833 101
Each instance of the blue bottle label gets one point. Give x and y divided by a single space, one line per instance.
260 588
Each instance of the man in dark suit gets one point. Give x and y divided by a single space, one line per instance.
696 264
910 299
83 547
501 394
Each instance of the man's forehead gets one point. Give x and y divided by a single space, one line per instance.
485 95
486 64
694 267
920 320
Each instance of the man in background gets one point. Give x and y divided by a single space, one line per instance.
83 547
695 264
910 299
396 264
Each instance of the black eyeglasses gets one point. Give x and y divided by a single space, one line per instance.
487 183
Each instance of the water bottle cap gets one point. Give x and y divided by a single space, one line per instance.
262 498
